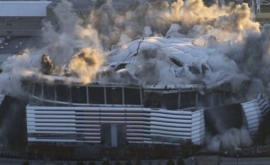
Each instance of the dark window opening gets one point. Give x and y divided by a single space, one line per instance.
49 92
78 94
205 100
152 100
194 70
106 135
132 96
28 87
120 66
188 99
113 137
177 62
204 69
96 95
170 101
121 135
9 32
38 90
63 93
217 98
227 95
114 95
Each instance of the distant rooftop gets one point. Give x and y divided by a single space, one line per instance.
23 8
85 6
15 45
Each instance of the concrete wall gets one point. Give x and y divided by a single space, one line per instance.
111 126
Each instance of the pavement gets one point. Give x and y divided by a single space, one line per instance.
5 161
12 45
214 160
199 160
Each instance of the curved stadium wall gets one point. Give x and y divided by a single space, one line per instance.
141 125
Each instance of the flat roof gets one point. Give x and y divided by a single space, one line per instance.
15 45
23 8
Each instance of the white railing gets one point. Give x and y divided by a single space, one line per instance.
254 111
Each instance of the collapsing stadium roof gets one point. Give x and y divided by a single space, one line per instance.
176 61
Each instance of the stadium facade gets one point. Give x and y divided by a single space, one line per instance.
116 115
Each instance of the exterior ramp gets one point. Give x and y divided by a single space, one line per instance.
254 112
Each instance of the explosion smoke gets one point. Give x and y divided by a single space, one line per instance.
86 64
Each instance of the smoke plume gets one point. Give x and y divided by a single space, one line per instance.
230 139
86 64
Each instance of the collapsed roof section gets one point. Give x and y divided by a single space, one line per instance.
176 61
154 62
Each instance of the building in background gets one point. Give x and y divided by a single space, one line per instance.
261 10
22 18
20 26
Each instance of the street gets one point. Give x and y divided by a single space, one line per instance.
201 160
213 160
